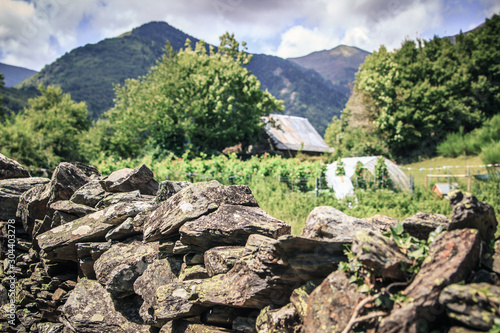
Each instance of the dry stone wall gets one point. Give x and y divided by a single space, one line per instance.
123 253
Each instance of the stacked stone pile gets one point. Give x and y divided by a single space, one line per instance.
123 253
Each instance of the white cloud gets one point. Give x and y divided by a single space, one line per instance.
299 41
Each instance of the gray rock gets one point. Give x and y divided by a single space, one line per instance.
66 179
160 272
328 222
285 319
119 267
69 207
87 254
168 188
231 225
33 206
381 254
11 169
89 194
191 203
220 260
422 224
114 198
59 243
182 326
127 180
475 305
123 231
468 212
11 191
192 272
50 327
452 256
90 309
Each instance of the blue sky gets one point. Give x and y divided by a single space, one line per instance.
35 33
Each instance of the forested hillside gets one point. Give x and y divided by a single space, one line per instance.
406 101
88 73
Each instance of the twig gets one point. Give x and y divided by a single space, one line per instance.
354 318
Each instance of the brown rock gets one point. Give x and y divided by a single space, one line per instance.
69 207
11 169
332 304
33 206
168 188
66 179
127 180
452 256
182 326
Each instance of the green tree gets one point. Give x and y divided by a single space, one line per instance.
2 83
196 100
47 132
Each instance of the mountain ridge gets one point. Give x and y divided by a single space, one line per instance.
89 72
15 74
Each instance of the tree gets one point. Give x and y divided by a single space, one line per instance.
2 83
196 100
47 132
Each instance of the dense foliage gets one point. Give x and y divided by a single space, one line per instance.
412 97
484 141
192 100
47 132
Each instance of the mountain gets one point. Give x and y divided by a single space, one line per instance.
338 65
88 73
14 75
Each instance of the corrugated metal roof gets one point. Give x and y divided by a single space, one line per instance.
294 133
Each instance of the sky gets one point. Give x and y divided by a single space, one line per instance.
34 33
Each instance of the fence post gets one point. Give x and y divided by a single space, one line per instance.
317 187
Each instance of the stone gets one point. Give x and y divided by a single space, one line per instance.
33 206
452 256
59 243
90 308
159 272
331 223
11 169
60 218
123 231
468 212
422 224
331 305
381 254
192 272
382 222
66 179
220 260
128 180
182 326
495 260
285 319
114 198
89 194
168 188
192 202
244 324
11 191
300 297
87 254
89 170
474 305
50 327
231 225
70 207
119 267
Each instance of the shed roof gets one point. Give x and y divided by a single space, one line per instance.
294 133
